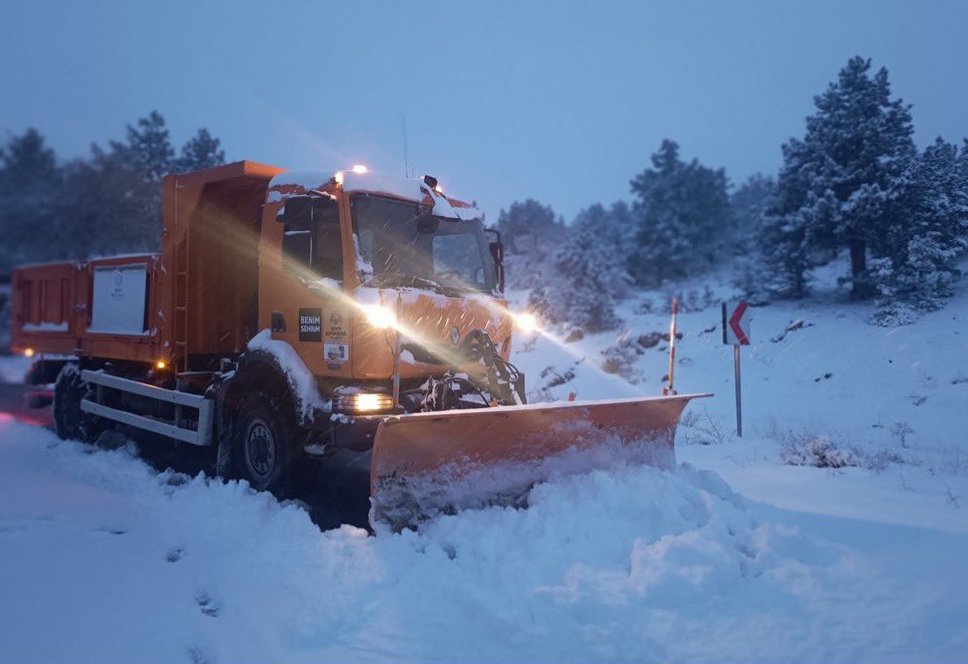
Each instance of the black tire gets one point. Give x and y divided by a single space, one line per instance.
263 442
69 420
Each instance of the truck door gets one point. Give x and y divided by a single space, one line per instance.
312 262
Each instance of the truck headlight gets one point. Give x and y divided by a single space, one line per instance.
526 322
364 403
379 316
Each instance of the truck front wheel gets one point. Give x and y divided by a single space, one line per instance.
263 440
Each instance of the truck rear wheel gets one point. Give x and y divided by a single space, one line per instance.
69 420
263 441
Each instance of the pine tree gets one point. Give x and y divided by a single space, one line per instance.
587 273
682 212
593 272
837 182
786 233
915 267
30 183
148 145
530 232
202 151
750 203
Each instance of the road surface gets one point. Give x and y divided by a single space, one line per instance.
333 493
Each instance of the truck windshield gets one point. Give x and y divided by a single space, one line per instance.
398 246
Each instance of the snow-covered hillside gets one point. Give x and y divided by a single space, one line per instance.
735 556
891 404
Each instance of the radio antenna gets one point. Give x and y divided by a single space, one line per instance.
406 159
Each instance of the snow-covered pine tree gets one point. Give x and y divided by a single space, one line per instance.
916 260
682 214
749 203
530 232
592 277
786 243
963 186
201 151
840 177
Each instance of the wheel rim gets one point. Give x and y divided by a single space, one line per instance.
260 449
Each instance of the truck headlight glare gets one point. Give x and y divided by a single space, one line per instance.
526 322
380 317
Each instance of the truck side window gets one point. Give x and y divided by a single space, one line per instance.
311 242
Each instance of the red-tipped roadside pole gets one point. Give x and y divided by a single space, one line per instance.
672 348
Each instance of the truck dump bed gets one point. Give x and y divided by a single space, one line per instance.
194 301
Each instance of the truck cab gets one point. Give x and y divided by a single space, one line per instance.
350 260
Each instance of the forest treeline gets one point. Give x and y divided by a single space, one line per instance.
105 203
854 186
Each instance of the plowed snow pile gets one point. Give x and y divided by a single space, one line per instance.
106 560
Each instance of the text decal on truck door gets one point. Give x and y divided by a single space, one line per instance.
311 324
336 349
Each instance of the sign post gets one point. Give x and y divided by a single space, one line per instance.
739 392
670 389
736 332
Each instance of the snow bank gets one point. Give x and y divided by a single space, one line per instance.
13 368
124 564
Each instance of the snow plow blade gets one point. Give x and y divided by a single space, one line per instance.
424 464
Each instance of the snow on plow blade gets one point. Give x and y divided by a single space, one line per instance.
424 464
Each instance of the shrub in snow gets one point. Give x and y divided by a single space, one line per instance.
822 452
695 429
817 451
620 358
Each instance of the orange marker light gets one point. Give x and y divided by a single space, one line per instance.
160 365
29 352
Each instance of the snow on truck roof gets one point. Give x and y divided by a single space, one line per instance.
414 189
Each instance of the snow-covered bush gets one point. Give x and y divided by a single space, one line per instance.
819 451
620 358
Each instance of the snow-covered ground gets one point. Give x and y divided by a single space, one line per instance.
735 556
13 368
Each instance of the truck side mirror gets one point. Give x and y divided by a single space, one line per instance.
497 253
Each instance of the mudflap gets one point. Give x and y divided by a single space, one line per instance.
425 464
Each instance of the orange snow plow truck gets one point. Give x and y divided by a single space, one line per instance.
295 314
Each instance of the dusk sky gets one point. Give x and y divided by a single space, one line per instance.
563 101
